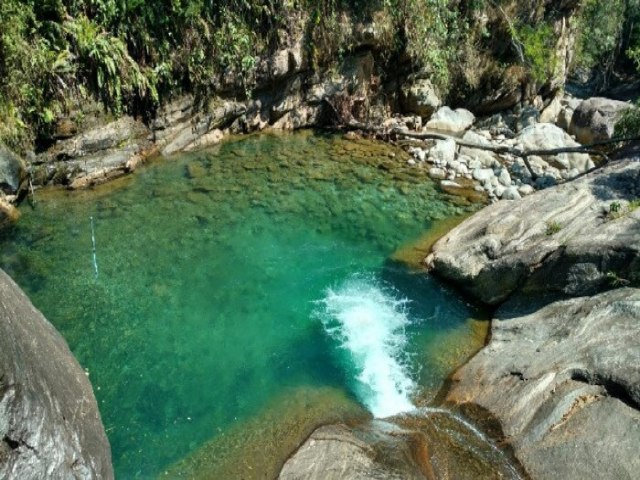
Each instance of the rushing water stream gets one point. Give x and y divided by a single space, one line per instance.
244 295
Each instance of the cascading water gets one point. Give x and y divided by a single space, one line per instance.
370 322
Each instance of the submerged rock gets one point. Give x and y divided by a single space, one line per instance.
561 240
334 452
8 213
564 383
49 421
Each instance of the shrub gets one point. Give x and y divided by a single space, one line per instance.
629 123
553 227
538 44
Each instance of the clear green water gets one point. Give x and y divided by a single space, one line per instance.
212 268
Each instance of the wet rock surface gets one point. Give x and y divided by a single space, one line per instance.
49 421
564 383
427 444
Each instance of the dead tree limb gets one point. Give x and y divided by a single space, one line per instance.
589 149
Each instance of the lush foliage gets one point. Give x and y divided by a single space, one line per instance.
609 37
629 123
127 53
131 54
538 49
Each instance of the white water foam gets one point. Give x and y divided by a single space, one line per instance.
369 322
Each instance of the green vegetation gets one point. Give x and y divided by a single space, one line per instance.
609 38
553 227
618 210
132 55
629 124
616 281
538 49
127 54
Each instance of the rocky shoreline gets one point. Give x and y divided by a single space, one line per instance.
559 373
560 370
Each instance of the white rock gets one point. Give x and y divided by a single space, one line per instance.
525 190
545 136
462 169
476 137
453 164
568 174
475 164
484 133
511 193
443 151
482 174
499 191
411 162
456 121
449 183
551 112
487 159
437 173
504 177
564 118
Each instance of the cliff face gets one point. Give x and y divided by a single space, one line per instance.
50 426
351 70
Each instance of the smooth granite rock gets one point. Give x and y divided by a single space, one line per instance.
433 444
564 382
447 120
546 136
562 240
50 427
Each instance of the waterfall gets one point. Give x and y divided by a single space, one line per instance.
369 323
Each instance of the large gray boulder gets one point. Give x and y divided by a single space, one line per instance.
546 136
50 426
564 240
420 97
564 382
12 171
595 119
452 121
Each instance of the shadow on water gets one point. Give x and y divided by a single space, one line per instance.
430 299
